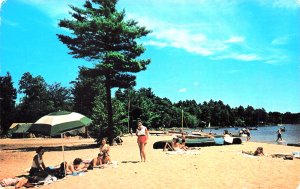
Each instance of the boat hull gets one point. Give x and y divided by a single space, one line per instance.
199 142
291 144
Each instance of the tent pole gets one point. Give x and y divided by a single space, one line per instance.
63 151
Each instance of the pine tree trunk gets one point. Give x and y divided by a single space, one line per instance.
110 130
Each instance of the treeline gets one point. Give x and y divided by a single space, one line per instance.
87 96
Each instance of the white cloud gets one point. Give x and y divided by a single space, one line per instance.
179 36
288 4
278 58
182 90
235 39
155 43
280 40
282 4
246 57
242 57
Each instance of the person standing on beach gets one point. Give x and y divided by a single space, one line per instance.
248 134
142 134
279 137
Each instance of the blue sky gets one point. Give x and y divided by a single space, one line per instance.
243 52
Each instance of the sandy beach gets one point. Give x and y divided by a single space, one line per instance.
213 167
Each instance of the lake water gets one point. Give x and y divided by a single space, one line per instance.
267 134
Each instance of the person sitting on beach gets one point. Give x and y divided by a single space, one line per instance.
38 167
258 152
226 133
183 142
182 139
174 146
97 161
103 155
118 140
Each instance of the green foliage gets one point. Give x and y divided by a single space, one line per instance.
102 35
60 96
8 95
36 100
84 91
98 129
40 99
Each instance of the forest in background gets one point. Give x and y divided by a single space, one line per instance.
87 96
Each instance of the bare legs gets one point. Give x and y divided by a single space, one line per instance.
142 151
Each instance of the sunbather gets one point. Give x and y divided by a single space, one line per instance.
77 166
258 152
18 182
103 155
100 160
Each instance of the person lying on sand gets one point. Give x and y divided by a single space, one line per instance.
77 166
100 160
18 182
258 152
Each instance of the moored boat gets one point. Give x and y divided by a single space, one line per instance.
293 144
200 142
157 132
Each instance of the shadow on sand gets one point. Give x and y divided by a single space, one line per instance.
52 148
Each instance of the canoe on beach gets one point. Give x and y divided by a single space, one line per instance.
293 144
199 142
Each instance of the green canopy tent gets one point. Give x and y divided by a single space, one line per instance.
19 130
59 123
22 131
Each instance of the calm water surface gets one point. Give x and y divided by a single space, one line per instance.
267 134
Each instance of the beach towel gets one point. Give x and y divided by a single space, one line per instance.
249 155
189 152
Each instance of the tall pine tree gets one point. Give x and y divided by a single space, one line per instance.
101 34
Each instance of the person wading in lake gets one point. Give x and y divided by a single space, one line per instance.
279 137
142 134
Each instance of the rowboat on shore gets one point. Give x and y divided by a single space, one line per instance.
293 144
201 142
157 132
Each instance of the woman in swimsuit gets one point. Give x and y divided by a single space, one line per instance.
142 134
103 155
